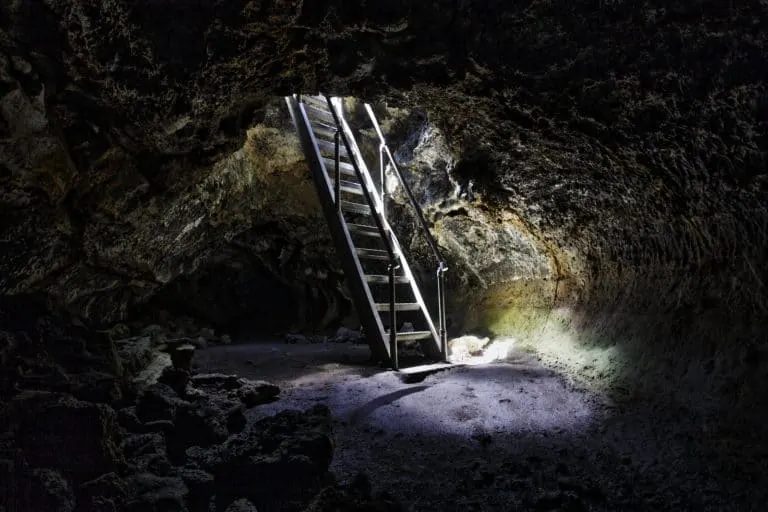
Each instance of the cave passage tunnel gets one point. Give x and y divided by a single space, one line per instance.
180 329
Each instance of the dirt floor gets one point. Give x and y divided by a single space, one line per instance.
510 435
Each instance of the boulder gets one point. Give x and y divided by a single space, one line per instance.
175 378
152 493
218 380
148 453
42 375
182 326
136 354
241 505
346 335
181 356
466 347
194 394
151 374
236 420
297 339
158 464
119 332
27 489
199 342
161 426
60 432
155 332
276 451
128 419
96 386
205 422
12 470
199 424
207 333
158 402
47 489
201 488
49 356
106 493
254 393
142 444
357 496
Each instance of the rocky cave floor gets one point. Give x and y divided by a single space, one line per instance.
181 419
509 435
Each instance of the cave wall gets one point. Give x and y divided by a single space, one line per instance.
628 146
680 311
618 149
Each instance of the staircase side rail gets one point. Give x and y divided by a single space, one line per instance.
358 172
360 290
393 264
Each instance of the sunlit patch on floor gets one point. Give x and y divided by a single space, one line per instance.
471 350
494 398
512 394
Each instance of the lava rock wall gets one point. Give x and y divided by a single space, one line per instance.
619 149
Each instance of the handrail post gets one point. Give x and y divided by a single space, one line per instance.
392 316
441 310
337 185
381 182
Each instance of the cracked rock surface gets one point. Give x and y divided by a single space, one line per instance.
607 161
595 173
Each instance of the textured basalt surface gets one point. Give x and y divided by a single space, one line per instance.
607 164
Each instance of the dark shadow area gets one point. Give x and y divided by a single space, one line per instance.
638 457
508 373
235 296
557 471
280 361
361 412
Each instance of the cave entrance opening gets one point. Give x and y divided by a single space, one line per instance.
386 294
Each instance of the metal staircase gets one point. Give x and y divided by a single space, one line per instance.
382 285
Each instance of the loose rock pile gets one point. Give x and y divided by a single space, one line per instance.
97 424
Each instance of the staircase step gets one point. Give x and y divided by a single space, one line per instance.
318 113
315 101
373 254
413 335
319 123
360 208
427 368
324 131
384 279
344 167
330 147
360 229
351 187
400 306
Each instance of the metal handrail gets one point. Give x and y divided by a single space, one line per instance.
408 191
442 266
